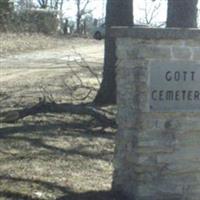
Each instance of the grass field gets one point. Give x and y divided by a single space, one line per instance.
15 43
52 156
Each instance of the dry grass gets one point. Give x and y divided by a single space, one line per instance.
25 42
51 156
14 43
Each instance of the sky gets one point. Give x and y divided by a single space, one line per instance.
98 7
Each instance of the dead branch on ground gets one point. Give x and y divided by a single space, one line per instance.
45 107
47 103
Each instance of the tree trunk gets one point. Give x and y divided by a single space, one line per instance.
118 13
78 17
182 13
6 9
78 22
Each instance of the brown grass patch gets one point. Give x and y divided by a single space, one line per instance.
51 156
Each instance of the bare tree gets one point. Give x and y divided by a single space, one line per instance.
182 13
25 4
43 3
151 10
118 13
82 9
52 4
61 4
56 4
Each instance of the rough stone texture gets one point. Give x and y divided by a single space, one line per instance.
196 54
153 33
157 155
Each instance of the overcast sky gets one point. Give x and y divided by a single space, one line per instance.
98 7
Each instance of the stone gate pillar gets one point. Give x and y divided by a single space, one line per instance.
157 155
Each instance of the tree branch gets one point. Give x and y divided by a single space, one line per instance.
44 107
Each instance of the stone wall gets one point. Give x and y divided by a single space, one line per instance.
157 155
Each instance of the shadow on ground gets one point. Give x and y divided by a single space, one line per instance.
48 130
68 193
94 195
51 159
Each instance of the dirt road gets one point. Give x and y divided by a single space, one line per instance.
48 155
24 75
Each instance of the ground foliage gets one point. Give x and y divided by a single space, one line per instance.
53 155
15 43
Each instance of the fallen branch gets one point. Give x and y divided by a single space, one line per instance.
45 107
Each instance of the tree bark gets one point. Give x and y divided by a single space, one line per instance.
78 17
182 13
118 13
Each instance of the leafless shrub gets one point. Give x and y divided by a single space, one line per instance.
79 88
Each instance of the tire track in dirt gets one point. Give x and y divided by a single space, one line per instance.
33 74
29 65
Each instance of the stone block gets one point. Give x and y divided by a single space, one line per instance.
182 53
157 152
149 52
196 54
